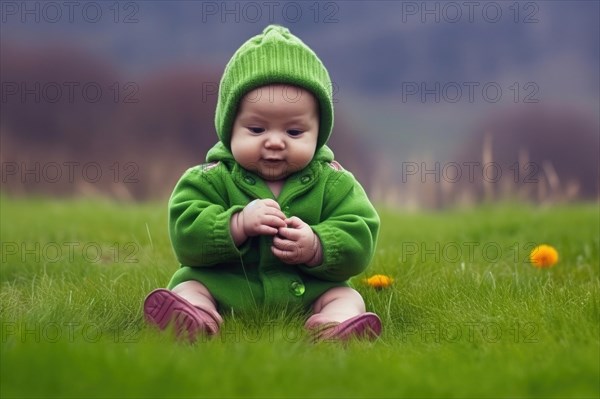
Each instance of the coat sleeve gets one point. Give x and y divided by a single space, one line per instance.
199 220
348 230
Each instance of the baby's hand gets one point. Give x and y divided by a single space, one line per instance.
297 243
261 217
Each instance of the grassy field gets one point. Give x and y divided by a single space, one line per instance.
467 315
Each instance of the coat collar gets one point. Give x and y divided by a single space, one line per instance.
256 187
295 184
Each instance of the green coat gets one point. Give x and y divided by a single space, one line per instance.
324 196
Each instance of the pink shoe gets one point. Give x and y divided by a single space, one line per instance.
162 307
366 325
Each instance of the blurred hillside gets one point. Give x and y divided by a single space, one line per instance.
130 91
68 113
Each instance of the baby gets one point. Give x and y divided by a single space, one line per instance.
271 219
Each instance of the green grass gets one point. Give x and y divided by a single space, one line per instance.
467 315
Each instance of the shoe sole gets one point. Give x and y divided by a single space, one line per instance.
363 326
163 307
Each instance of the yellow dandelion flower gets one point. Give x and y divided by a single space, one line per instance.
543 256
379 281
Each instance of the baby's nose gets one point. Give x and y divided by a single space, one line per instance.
275 141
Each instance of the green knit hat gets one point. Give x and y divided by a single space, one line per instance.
275 56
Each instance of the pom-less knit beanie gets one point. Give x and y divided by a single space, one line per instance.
275 56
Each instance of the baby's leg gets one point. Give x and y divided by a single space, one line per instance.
199 296
335 306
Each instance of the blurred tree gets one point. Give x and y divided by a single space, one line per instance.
61 105
540 150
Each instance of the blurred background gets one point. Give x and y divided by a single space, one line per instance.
438 103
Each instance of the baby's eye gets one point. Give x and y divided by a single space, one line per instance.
294 132
256 129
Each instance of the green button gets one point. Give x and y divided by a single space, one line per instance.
250 180
297 288
305 179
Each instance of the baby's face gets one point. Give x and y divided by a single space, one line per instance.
275 131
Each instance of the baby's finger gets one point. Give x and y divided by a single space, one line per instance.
285 256
294 222
275 212
284 245
266 230
273 221
290 234
272 203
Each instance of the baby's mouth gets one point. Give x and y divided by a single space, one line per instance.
271 161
